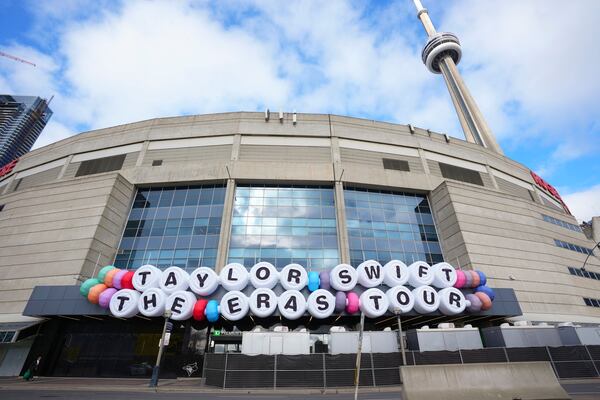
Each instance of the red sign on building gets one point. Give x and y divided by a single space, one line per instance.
7 169
549 188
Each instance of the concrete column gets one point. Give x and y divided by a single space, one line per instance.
225 236
142 154
9 183
342 227
64 167
596 229
235 148
424 161
492 177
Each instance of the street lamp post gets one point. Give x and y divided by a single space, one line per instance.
589 254
359 354
166 327
400 338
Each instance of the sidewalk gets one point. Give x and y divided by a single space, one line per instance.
193 385
181 385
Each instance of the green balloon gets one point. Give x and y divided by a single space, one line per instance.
103 272
87 285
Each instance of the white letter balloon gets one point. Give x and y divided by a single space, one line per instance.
204 281
181 304
444 275
263 302
343 277
395 273
374 303
234 305
293 277
146 277
419 274
264 275
234 276
124 303
321 303
174 279
401 299
427 299
291 304
152 303
370 274
452 301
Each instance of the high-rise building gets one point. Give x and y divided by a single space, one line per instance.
22 119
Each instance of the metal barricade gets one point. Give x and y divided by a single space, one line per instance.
234 370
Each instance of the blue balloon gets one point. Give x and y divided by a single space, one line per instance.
212 311
313 281
482 278
487 290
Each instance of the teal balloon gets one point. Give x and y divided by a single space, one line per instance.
103 272
85 287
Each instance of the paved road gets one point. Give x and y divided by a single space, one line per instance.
68 395
579 390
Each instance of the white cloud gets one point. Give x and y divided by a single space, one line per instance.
584 204
165 58
24 79
532 66
53 132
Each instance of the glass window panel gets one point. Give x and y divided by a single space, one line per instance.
391 224
168 226
203 211
283 224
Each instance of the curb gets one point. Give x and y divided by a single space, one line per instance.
29 386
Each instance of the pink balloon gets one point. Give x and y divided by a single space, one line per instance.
352 303
116 282
105 297
461 279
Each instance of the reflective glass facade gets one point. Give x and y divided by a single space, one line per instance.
384 226
280 224
173 226
284 224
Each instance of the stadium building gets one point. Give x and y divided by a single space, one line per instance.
312 189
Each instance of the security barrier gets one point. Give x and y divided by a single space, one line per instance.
481 381
234 370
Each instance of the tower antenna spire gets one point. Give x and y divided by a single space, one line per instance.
441 55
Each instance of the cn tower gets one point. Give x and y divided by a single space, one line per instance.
441 54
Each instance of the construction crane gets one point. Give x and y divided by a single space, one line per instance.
16 58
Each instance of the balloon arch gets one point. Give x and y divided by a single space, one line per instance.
419 287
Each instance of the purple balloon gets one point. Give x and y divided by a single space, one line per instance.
324 278
117 279
340 301
475 303
469 279
105 297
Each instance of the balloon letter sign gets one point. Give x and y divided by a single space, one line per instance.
236 292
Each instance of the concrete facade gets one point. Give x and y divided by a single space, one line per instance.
57 228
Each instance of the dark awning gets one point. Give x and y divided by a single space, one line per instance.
11 332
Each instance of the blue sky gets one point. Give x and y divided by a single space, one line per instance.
530 64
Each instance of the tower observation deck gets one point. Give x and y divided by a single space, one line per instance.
441 55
